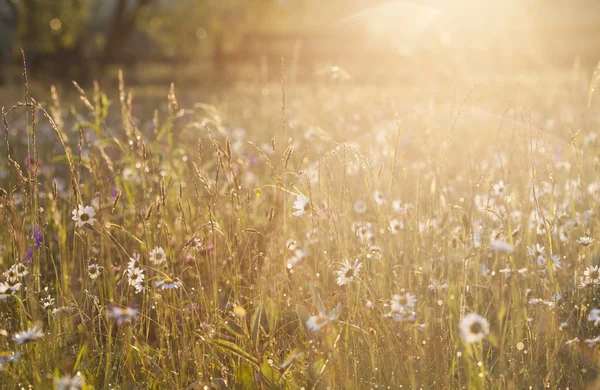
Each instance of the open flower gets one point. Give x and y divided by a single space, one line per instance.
594 315
122 315
585 241
27 336
348 272
317 322
158 255
68 382
168 284
301 205
84 215
94 270
473 328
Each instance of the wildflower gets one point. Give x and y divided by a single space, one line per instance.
122 315
94 270
317 322
68 382
301 205
167 284
594 315
27 336
13 286
592 274
403 302
499 188
506 271
501 246
47 302
536 250
396 226
37 236
134 261
348 272
158 255
28 258
84 216
291 244
135 278
8 356
592 342
473 328
360 207
522 271
379 198
403 315
585 241
572 342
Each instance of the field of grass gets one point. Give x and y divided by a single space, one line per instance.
429 235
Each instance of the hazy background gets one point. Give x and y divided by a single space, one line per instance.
373 40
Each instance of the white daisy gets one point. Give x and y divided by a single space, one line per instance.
29 335
317 322
168 284
84 216
122 315
47 302
135 278
594 315
348 272
403 302
158 255
301 205
134 261
473 328
592 274
68 382
396 226
94 270
585 241
404 316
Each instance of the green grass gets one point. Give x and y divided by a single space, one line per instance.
426 158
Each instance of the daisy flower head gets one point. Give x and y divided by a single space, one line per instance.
315 323
168 284
84 215
28 335
585 241
94 271
594 315
301 205
158 255
473 328
396 226
592 274
122 315
134 260
403 302
20 270
135 278
47 302
348 272
68 382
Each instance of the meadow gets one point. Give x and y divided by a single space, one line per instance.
433 234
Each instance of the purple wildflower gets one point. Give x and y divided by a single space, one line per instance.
28 258
37 236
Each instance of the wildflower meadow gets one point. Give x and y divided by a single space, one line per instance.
281 236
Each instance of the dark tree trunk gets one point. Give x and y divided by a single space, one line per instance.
123 25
